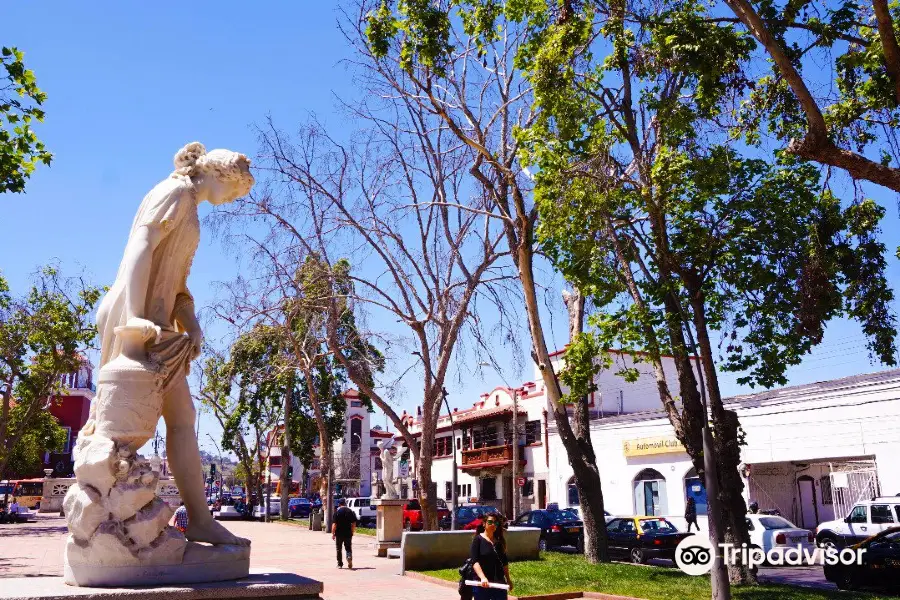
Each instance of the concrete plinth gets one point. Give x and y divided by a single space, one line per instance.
261 583
388 524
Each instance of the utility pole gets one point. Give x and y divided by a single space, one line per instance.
453 493
515 454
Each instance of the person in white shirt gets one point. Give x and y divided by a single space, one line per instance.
14 507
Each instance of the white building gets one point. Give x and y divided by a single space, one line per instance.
481 436
811 452
354 454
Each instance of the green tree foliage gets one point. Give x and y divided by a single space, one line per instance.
43 335
649 207
20 108
825 82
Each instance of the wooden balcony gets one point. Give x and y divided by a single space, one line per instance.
490 456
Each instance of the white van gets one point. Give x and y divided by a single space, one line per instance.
363 509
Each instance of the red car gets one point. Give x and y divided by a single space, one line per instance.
412 514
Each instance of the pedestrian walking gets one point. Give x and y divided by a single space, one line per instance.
343 526
489 561
181 518
690 514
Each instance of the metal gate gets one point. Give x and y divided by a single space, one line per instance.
851 483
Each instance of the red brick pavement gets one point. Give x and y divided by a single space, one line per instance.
37 548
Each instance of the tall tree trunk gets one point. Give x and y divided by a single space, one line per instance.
424 460
728 451
581 456
284 476
587 475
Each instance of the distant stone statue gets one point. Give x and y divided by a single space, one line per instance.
149 334
387 470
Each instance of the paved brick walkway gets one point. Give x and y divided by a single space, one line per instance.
36 549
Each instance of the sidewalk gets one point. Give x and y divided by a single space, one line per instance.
37 549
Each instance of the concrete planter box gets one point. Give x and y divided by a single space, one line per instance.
424 550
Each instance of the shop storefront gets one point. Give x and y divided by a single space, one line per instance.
811 453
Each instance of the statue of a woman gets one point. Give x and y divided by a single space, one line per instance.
151 291
387 470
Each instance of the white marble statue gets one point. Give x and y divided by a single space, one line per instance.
149 334
387 470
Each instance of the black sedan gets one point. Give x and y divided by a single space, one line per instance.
558 528
464 516
880 565
643 538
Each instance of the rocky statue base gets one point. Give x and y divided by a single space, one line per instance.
119 532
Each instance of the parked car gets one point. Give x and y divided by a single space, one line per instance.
880 564
558 528
363 509
777 533
228 512
643 538
274 508
412 514
866 519
466 516
576 510
299 507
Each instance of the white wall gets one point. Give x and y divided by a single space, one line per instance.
794 426
614 394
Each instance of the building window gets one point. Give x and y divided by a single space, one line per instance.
695 488
489 488
825 489
448 491
572 492
355 404
528 488
532 432
67 445
484 437
355 435
458 443
443 447
275 461
464 490
650 493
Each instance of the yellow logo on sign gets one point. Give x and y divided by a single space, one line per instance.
654 445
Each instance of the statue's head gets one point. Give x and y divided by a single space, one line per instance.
222 175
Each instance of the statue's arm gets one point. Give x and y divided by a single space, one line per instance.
139 262
185 314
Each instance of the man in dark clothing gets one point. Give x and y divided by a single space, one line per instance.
343 526
690 514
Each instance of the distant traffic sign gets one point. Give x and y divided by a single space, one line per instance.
521 481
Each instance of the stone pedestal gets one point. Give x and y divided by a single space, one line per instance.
389 524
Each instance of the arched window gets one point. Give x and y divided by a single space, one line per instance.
695 488
650 493
572 491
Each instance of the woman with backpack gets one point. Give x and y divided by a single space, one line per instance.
488 558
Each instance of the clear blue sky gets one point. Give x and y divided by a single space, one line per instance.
130 83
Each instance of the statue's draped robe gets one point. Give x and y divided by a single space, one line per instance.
170 208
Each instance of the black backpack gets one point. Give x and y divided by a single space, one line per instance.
467 571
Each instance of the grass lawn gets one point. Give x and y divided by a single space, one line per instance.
557 572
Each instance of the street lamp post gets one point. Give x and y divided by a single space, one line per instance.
453 493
